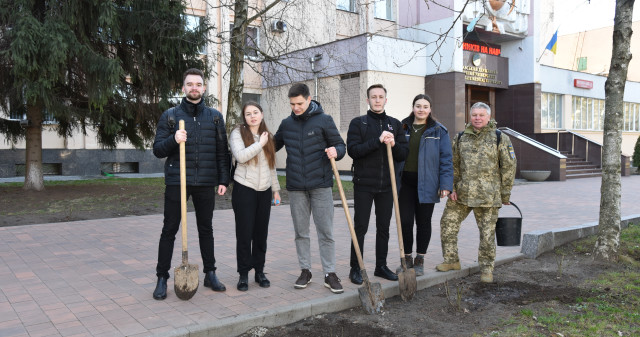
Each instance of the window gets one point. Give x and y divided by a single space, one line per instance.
349 107
246 97
551 111
631 117
251 42
193 23
383 9
47 117
17 115
588 113
346 5
582 63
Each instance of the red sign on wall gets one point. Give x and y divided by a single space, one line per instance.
584 84
484 48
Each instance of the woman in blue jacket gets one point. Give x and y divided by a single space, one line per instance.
427 176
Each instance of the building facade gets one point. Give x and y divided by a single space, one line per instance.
458 52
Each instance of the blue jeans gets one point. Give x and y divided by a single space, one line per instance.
204 199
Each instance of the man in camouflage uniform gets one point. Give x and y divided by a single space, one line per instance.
484 167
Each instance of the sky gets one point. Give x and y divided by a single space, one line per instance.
574 16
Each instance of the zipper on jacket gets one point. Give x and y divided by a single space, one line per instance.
197 146
304 182
382 165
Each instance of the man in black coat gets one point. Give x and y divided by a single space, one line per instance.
207 171
367 141
311 139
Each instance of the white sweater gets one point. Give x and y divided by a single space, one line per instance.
258 177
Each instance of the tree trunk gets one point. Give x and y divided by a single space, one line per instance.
33 171
236 66
609 230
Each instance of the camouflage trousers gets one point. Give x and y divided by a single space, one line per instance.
486 217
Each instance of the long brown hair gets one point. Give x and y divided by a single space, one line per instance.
247 136
430 118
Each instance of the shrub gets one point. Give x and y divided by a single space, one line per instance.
636 154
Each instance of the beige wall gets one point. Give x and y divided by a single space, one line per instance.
595 45
401 91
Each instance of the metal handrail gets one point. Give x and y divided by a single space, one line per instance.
533 142
573 135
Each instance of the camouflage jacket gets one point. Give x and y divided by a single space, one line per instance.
483 171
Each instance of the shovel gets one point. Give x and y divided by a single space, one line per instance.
406 277
371 294
186 279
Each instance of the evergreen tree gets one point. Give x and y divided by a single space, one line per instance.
636 153
103 65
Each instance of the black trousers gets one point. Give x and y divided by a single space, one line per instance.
410 208
252 210
362 202
204 199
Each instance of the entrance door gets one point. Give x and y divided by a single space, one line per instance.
476 94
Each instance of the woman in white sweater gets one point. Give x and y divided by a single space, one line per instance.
256 185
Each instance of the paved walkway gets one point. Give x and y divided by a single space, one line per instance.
96 277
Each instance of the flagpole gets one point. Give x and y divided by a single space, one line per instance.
554 39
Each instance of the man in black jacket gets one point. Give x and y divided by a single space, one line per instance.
207 170
366 144
311 138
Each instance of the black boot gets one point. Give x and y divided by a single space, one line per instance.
355 275
262 280
161 289
243 282
385 272
211 281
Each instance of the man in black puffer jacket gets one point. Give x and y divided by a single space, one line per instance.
311 138
207 171
366 143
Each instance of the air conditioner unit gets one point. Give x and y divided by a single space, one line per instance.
278 26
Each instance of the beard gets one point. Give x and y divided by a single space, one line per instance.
194 96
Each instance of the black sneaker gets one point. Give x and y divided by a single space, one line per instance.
332 282
243 283
262 280
355 276
386 273
303 280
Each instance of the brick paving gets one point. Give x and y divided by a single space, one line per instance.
96 277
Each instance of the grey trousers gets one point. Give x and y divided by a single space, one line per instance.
318 201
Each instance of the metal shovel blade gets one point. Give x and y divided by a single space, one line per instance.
407 283
185 282
371 295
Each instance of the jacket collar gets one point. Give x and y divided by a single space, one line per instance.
190 108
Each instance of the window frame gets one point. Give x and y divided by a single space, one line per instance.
341 5
388 6
551 119
248 38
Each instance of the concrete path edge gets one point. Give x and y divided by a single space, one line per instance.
534 244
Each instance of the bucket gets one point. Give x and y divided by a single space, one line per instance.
508 230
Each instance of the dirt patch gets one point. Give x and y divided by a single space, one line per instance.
468 307
59 203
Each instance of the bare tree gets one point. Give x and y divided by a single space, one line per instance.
237 51
609 230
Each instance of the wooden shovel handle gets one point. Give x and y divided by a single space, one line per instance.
183 197
354 238
394 189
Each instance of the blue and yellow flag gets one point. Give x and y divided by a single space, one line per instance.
553 43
